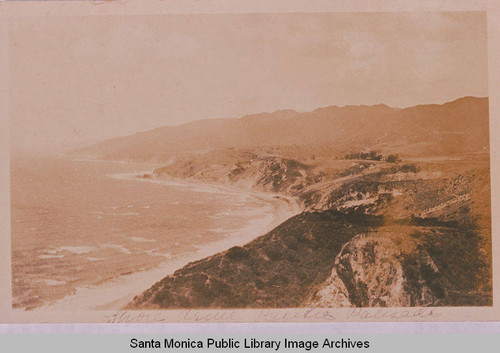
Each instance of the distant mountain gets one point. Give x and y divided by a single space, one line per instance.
454 127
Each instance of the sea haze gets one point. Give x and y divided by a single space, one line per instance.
82 223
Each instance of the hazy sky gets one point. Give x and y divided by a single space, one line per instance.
88 78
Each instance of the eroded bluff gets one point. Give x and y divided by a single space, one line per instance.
380 269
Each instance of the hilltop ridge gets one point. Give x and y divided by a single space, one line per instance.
454 127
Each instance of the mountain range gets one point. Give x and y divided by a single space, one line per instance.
460 126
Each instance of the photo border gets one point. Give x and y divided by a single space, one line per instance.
10 10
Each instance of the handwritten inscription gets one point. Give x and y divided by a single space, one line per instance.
310 314
394 314
135 317
273 315
211 316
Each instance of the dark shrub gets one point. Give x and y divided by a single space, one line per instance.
237 253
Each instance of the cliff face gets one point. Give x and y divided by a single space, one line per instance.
244 169
380 269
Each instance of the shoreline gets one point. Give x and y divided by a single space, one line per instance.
201 186
117 161
117 292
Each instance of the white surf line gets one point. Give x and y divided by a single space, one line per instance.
112 161
228 189
117 292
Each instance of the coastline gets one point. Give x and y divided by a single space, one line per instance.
117 292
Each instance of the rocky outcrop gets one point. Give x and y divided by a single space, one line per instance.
380 269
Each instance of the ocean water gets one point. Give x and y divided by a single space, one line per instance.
83 223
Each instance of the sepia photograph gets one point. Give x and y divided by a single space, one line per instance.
332 160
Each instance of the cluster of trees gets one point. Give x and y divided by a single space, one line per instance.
404 168
393 158
373 156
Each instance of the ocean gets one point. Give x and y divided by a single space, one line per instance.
82 224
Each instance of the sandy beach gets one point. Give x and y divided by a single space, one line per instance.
115 293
